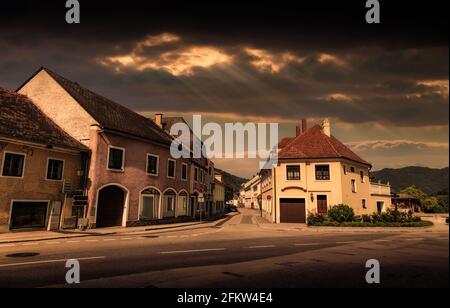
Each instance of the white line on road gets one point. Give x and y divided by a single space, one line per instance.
109 240
382 240
73 242
126 239
349 242
191 251
413 239
260 247
52 243
307 244
7 245
49 261
30 244
91 241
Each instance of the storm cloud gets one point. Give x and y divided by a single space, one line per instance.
246 61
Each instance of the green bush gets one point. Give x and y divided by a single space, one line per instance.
315 219
341 213
366 218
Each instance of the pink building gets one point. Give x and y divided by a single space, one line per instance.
132 178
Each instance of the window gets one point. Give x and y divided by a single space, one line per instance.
184 171
345 169
196 174
293 173
13 165
171 168
361 174
116 159
152 164
322 172
354 186
364 205
352 169
202 176
210 171
55 169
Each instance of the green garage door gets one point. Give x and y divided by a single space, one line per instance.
28 215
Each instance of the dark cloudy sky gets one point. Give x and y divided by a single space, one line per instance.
385 87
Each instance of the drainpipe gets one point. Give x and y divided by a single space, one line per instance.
275 193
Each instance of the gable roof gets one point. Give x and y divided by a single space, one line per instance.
111 115
20 119
315 144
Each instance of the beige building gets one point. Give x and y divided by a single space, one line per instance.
41 170
252 193
316 171
219 193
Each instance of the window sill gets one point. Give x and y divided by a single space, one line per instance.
117 170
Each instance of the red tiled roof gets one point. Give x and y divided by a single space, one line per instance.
111 115
315 144
284 142
20 119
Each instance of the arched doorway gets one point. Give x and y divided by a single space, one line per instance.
110 206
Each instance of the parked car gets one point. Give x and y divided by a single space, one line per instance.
230 208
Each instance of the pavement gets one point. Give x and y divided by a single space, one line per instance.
241 252
31 236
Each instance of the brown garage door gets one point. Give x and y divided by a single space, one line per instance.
293 211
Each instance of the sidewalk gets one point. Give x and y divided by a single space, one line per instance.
30 236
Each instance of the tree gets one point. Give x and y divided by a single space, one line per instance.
415 192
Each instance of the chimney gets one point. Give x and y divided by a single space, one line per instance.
301 129
326 127
304 125
158 119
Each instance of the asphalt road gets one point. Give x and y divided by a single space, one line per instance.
236 255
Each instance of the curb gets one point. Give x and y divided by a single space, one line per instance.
220 223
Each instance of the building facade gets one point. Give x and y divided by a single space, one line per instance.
41 170
314 172
132 177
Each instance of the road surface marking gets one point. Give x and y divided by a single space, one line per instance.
73 241
260 247
126 239
413 239
7 245
307 244
30 244
109 239
190 251
91 241
382 240
52 243
349 242
48 261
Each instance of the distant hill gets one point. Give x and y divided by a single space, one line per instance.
431 181
232 184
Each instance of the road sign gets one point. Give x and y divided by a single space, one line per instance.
201 198
80 200
67 189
